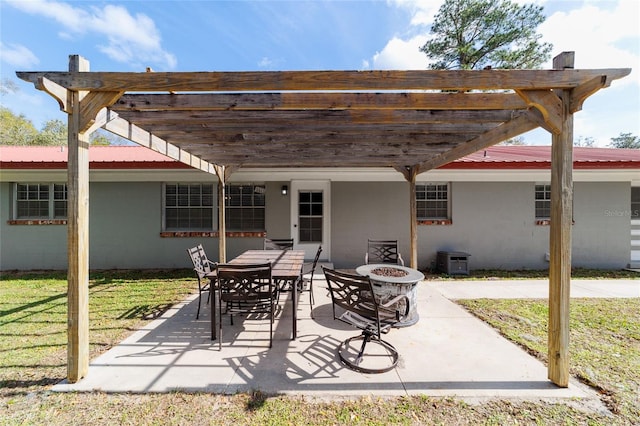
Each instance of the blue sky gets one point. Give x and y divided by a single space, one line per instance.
213 35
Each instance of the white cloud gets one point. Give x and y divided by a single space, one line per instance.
265 63
600 35
422 11
401 55
130 39
17 55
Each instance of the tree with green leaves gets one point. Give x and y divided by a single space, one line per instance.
625 140
16 129
584 141
477 34
53 133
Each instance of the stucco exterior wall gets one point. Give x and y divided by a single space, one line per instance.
601 233
493 221
125 222
362 210
26 247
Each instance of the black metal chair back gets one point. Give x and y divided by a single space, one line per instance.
204 269
354 303
278 243
383 251
307 277
247 289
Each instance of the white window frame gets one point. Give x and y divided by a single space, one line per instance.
51 200
546 191
165 207
425 200
259 189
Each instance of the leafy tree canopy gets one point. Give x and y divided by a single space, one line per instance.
587 141
18 130
625 140
475 34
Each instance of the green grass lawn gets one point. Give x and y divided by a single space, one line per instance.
605 348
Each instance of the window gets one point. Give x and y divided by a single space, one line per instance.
40 201
432 201
188 207
244 207
310 217
635 202
543 201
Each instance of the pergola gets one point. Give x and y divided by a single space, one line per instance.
411 121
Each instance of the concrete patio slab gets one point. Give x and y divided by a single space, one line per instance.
447 353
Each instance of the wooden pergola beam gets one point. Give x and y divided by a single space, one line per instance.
251 119
461 80
510 129
126 130
310 101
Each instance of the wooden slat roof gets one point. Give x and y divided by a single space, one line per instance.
400 119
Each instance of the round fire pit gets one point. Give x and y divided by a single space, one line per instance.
390 281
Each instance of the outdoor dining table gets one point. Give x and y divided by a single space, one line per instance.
286 265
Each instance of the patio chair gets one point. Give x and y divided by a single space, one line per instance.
354 303
305 281
383 251
245 289
204 270
278 243
306 278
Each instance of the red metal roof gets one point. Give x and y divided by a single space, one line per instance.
495 157
539 157
100 157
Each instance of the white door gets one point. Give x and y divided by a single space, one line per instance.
310 217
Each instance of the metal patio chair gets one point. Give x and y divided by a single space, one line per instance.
278 243
354 303
305 281
245 289
383 251
204 270
306 278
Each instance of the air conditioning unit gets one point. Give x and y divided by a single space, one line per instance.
453 262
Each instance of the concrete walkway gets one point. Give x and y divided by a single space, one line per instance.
447 353
534 289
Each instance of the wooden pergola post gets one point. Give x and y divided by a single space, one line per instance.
222 222
413 217
77 233
560 236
